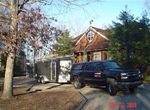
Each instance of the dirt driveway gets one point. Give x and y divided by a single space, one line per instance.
39 99
98 98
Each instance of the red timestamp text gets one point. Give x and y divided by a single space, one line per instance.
131 105
122 105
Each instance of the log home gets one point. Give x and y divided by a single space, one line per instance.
91 45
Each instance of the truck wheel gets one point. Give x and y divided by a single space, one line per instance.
76 83
42 80
133 89
111 88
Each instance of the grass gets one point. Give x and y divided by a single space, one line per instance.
147 78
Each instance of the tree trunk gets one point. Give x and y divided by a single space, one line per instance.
8 81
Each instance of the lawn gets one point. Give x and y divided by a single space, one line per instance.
147 78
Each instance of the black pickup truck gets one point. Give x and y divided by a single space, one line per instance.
105 73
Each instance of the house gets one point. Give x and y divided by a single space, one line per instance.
91 45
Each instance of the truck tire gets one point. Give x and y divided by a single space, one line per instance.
111 87
133 89
76 83
42 80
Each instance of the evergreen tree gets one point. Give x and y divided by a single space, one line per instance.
64 45
130 41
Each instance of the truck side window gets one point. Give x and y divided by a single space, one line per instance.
98 66
77 67
89 66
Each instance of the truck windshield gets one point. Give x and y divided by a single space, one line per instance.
111 65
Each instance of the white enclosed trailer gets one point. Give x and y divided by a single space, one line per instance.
53 70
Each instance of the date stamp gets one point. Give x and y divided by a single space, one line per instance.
122 105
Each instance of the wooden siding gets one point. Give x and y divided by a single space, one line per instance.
98 44
103 55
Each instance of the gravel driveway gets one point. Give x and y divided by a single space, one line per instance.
99 99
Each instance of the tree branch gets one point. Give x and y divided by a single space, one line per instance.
5 5
32 1
21 5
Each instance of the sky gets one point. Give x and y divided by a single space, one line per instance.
77 19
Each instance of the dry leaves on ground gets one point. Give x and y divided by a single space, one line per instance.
43 100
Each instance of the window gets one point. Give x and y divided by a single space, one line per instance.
90 36
111 65
89 66
97 56
77 67
98 66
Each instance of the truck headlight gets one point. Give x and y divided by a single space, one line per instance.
124 75
139 72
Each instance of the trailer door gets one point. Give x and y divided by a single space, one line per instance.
64 75
53 71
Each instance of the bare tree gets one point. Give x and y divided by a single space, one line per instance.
21 25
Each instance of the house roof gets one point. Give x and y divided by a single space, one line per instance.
101 32
99 44
77 38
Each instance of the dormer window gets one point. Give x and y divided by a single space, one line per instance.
90 36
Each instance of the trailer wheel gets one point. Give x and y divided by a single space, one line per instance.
42 80
76 83
38 80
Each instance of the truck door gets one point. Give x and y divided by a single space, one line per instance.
87 73
98 73
93 73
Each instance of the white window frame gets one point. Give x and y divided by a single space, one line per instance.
97 56
90 36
